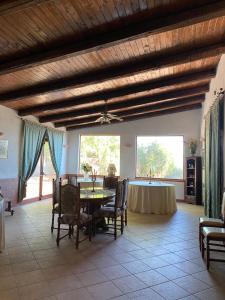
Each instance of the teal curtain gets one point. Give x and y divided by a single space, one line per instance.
55 139
33 139
214 160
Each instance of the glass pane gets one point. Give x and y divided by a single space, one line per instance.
48 171
99 152
162 156
33 184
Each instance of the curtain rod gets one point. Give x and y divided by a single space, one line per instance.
36 122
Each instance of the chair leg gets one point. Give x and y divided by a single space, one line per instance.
207 252
77 237
58 234
202 245
89 231
122 224
52 226
70 231
125 217
115 228
199 236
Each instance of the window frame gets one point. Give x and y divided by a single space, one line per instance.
97 134
155 178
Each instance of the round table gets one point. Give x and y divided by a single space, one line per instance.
151 198
87 182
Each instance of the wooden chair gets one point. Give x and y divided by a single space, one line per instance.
70 214
114 212
211 235
55 200
72 179
126 182
211 222
110 182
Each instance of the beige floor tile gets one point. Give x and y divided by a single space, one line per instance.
7 282
114 272
5 270
155 262
79 294
26 266
129 284
34 291
212 293
104 291
189 267
91 277
151 277
191 284
170 291
171 272
136 267
147 294
11 294
172 258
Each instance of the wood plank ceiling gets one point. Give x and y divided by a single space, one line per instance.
61 59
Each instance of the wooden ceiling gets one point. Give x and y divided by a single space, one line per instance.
61 59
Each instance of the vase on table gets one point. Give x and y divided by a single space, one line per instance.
86 175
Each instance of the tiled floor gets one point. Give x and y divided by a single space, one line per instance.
156 258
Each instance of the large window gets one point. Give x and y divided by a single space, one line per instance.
162 154
100 151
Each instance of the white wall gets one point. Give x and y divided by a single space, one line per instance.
11 126
184 123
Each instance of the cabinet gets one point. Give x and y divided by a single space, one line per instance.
193 185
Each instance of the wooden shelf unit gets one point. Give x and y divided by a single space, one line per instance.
193 183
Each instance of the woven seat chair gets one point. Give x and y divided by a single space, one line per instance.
110 182
210 237
211 222
55 200
116 211
70 213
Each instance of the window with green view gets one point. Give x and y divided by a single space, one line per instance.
99 152
162 154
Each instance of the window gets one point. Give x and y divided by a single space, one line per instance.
99 152
162 154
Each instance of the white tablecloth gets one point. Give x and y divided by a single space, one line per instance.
2 225
156 198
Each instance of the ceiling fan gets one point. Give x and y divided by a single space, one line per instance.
106 117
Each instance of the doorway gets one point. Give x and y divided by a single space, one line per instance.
39 185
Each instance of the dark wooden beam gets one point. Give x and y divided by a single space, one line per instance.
127 103
136 110
128 32
140 116
122 91
117 71
10 7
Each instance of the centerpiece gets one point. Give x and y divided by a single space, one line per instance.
86 168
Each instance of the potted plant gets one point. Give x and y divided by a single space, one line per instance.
193 145
86 168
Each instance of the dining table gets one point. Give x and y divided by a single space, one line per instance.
151 197
87 182
2 224
94 200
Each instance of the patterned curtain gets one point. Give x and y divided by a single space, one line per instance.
214 160
33 139
55 139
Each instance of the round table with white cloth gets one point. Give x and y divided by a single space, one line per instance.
151 198
2 225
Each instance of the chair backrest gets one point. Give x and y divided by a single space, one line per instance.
69 203
72 179
120 199
55 190
110 182
223 208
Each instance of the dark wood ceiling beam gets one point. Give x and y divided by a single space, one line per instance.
155 62
127 103
141 116
132 111
119 92
140 29
9 7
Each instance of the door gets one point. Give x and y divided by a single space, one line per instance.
39 186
